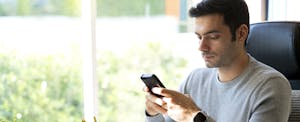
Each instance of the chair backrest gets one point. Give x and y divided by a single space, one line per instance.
277 44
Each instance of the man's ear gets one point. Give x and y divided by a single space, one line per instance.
242 33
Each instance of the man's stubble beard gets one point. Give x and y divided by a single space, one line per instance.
223 59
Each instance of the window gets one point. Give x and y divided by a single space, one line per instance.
40 61
256 10
41 57
283 10
64 60
135 37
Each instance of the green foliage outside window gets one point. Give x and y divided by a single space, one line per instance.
40 7
120 92
40 88
105 8
130 7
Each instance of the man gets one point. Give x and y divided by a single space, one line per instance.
235 87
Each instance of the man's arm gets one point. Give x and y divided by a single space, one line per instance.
180 107
153 108
272 101
156 118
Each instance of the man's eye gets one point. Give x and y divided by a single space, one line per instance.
200 37
214 37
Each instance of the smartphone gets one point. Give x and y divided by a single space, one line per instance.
151 80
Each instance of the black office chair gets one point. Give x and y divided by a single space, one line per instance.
277 44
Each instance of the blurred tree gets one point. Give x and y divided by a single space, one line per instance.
49 88
7 8
71 7
130 7
105 8
23 7
40 7
120 89
40 88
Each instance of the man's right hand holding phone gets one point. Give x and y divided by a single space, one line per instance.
178 106
154 104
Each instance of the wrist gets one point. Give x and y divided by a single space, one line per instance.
199 117
150 115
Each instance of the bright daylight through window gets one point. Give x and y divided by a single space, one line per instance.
40 61
68 60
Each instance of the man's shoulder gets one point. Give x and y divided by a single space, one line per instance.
264 71
266 75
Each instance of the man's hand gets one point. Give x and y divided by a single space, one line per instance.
154 105
180 107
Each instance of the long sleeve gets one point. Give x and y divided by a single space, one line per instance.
157 118
272 103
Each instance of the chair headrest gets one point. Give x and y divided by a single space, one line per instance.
276 44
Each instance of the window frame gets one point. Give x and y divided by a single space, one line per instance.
90 87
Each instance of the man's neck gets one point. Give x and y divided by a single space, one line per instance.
238 65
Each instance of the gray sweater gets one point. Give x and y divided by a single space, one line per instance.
259 94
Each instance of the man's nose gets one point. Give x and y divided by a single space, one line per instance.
203 45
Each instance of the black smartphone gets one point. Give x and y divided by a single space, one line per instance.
151 80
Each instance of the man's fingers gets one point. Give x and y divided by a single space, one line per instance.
162 102
165 106
145 89
156 107
167 100
164 92
154 99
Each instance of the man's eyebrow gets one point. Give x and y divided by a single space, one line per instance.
209 32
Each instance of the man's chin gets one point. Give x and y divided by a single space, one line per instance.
209 65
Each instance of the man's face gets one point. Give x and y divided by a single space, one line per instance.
215 41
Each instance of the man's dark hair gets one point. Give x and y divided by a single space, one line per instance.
234 12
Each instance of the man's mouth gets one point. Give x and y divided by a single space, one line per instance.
207 56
